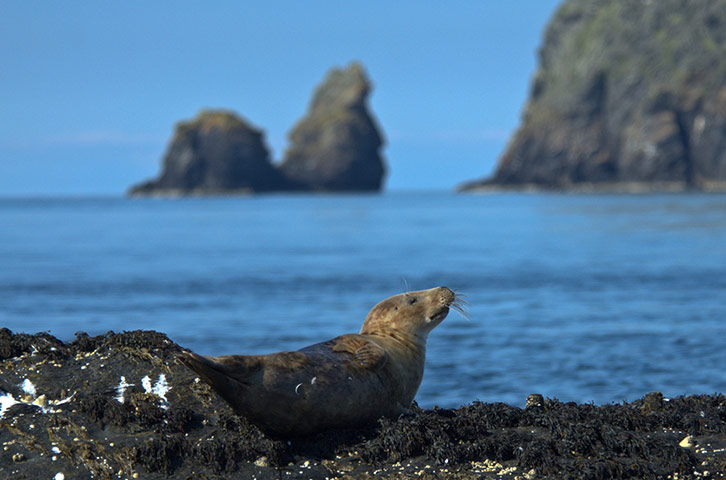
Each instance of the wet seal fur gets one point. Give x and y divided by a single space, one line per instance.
349 381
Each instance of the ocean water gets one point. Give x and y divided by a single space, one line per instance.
589 298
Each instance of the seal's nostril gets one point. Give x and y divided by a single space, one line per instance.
447 296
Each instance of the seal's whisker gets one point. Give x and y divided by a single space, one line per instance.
461 299
460 310
459 295
460 305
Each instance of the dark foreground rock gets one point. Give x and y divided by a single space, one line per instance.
215 153
120 406
630 95
336 146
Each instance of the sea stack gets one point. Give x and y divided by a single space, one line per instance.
334 148
336 145
215 153
630 95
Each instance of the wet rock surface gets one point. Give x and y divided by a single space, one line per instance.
629 96
121 406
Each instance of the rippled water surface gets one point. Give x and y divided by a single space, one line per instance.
580 297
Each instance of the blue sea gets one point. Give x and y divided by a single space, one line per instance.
587 298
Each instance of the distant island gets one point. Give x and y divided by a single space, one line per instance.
334 147
629 96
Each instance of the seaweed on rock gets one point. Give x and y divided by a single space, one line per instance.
90 412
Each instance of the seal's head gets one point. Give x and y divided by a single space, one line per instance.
412 314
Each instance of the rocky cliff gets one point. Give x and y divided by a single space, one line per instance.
629 94
217 152
336 146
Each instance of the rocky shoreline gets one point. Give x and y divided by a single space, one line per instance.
121 406
594 188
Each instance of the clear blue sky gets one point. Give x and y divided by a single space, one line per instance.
91 90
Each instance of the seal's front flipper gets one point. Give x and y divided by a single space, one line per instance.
370 356
366 354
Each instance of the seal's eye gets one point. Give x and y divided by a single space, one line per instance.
412 300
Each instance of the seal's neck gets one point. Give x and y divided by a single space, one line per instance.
412 345
407 358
